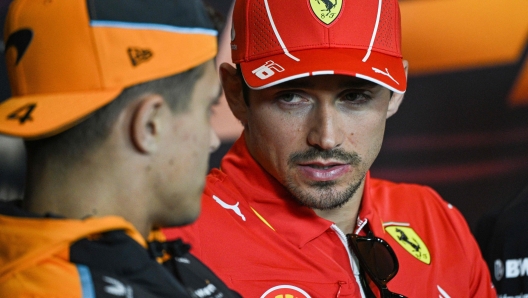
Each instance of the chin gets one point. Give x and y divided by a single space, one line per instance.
175 219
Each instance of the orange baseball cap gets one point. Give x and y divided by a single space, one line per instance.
275 41
68 58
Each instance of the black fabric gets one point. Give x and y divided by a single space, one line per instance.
121 267
503 238
115 258
192 273
181 13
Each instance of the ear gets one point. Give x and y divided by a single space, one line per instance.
397 98
146 123
232 85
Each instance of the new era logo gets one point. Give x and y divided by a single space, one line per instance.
138 56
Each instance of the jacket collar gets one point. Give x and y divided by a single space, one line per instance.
273 202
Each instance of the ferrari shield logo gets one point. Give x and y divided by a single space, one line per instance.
326 10
412 243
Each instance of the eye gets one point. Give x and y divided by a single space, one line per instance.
291 98
356 97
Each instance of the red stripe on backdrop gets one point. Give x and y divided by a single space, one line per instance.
457 141
455 173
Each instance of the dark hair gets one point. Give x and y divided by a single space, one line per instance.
245 87
71 144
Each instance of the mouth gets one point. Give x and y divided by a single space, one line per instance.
324 171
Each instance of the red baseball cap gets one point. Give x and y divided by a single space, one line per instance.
275 41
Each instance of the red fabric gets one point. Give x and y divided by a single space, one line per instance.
275 41
300 249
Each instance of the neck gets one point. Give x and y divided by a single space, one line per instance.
95 186
345 216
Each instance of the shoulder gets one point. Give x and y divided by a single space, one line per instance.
404 196
423 209
52 277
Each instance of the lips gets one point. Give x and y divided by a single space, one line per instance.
317 171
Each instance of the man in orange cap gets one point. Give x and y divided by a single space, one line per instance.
113 99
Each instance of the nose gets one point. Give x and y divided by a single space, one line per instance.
325 131
214 141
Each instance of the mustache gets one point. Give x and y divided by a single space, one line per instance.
311 154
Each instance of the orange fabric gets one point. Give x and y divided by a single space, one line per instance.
34 253
71 67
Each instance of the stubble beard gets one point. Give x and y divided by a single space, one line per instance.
326 197
324 194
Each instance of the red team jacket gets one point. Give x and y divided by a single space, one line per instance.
261 243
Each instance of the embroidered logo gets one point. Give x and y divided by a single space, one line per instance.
207 291
138 56
267 70
326 10
117 288
385 73
183 260
412 243
230 207
19 39
285 291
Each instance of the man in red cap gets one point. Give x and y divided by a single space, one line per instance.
113 99
293 211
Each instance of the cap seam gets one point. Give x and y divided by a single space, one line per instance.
95 48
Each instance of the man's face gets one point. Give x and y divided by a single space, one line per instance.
318 135
186 148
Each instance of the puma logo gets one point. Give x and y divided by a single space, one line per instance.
385 73
231 207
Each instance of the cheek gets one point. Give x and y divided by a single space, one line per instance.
192 141
368 137
271 139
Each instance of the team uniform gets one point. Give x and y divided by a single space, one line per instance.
95 257
258 239
504 242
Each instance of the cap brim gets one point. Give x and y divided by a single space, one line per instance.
382 69
40 116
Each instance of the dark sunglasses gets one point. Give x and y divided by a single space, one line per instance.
378 260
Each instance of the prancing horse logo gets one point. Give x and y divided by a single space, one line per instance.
410 241
326 10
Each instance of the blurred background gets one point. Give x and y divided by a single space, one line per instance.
463 125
